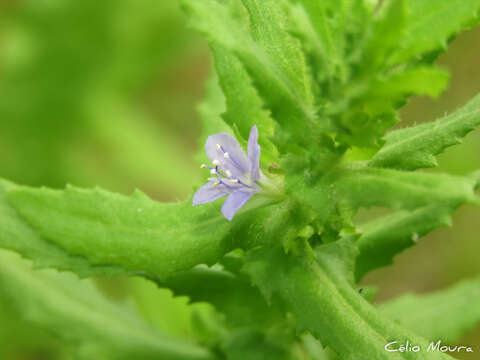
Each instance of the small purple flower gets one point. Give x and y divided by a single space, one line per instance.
233 173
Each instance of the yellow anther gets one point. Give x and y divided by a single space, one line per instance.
216 162
226 155
213 171
228 173
219 147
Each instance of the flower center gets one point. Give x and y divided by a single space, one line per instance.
225 177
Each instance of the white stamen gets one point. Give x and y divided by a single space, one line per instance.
216 183
219 147
236 181
216 162
213 171
226 156
228 173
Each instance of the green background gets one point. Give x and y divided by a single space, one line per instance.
105 93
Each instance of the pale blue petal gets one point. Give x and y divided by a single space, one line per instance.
237 164
254 154
234 202
208 193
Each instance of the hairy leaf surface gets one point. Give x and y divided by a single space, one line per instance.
317 289
107 231
278 72
415 147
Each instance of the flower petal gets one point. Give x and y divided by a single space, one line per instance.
237 163
254 154
208 193
234 202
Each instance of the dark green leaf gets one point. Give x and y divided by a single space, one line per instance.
383 238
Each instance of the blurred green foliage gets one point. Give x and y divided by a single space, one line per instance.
98 93
83 87
105 92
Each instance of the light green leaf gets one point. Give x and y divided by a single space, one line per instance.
253 345
314 348
476 177
420 80
278 72
76 312
415 147
338 28
269 23
442 315
431 23
383 238
16 235
96 232
314 288
159 307
388 27
244 106
327 19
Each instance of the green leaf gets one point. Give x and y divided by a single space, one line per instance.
159 307
244 106
383 238
415 147
420 80
16 235
476 177
232 295
269 24
76 312
278 72
388 28
327 20
431 23
337 195
372 111
442 315
96 232
313 347
254 345
399 189
315 289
